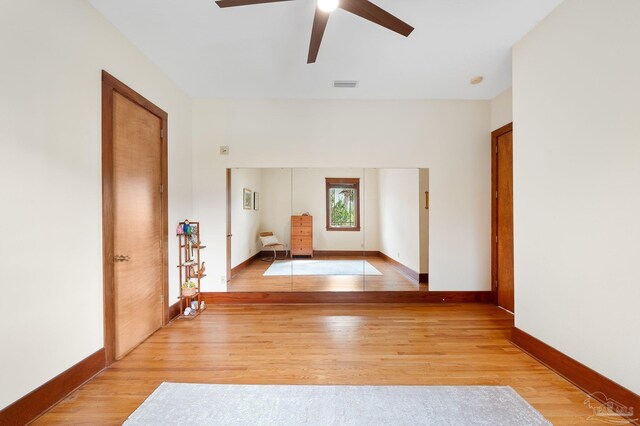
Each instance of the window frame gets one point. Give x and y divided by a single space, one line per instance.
342 182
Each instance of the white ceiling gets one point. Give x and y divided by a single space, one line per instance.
260 51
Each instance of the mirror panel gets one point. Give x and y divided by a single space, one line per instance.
331 197
401 237
260 204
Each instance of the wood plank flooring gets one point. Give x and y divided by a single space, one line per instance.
376 344
250 279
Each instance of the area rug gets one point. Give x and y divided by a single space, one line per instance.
321 267
203 404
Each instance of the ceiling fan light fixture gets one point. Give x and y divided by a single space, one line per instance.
328 5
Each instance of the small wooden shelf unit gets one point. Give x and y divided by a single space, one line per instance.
301 236
189 259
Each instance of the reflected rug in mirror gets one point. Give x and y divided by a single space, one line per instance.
320 267
207 404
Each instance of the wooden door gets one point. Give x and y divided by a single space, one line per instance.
505 221
229 235
137 224
134 217
503 217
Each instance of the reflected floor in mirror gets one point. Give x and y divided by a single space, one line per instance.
252 278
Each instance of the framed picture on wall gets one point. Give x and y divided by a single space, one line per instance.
256 199
246 199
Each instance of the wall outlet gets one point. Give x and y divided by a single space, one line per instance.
224 150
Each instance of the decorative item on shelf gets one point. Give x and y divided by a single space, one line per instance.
201 270
189 288
186 229
180 230
191 271
187 311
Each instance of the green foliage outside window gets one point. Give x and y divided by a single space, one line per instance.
342 207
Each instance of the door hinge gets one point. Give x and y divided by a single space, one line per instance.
496 194
162 134
496 149
496 238
161 188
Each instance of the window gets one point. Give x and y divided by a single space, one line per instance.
343 204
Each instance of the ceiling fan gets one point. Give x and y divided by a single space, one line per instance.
363 8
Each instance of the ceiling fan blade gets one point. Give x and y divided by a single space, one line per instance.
320 20
233 3
367 10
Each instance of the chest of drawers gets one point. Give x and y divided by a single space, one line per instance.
301 236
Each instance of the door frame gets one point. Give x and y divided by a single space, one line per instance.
110 85
494 207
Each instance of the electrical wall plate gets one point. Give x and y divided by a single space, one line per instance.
224 150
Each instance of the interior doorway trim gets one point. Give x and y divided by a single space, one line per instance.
494 207
110 85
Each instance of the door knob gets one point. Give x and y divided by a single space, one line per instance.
120 258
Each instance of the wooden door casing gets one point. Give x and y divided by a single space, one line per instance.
152 121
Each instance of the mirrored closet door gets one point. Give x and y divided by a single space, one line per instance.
328 229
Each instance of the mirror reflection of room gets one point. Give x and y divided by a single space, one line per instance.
328 229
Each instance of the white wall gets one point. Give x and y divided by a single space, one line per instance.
399 215
50 158
245 224
576 180
451 138
502 109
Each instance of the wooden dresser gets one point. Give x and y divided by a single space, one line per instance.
301 236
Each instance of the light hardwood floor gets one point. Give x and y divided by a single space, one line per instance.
376 344
251 279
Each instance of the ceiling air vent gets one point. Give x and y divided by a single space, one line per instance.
343 84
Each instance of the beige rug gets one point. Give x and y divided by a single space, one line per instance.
203 404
